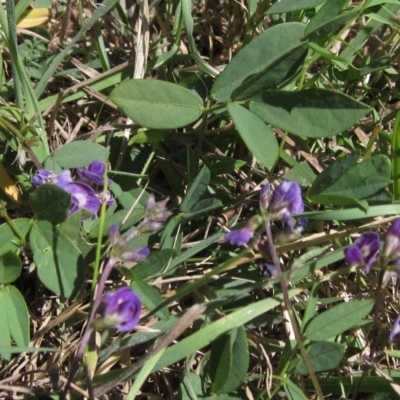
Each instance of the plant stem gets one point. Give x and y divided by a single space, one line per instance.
288 306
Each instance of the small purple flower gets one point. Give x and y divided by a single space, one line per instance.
43 176
286 201
82 197
155 215
395 332
391 249
122 309
364 251
239 237
106 197
94 173
135 255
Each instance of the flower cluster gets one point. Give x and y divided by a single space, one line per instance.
365 253
285 202
365 250
86 193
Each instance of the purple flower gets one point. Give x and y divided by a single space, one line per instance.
43 176
82 197
94 173
395 332
106 197
364 251
155 215
391 249
135 255
286 201
239 237
122 309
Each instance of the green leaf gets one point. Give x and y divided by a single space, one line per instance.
267 62
229 361
324 356
225 166
191 387
153 264
338 319
209 333
79 154
59 262
311 113
196 190
10 267
51 203
9 241
285 6
157 104
259 139
330 23
14 319
325 14
149 296
345 182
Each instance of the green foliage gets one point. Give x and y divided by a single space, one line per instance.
212 104
156 104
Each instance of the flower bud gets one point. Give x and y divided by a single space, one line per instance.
265 196
391 248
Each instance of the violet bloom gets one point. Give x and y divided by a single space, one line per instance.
395 332
267 270
43 176
94 173
243 236
364 251
391 249
285 202
265 196
122 309
239 237
82 197
155 215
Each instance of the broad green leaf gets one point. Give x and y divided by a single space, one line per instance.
258 137
171 235
196 190
338 319
14 319
263 59
285 6
153 264
10 267
345 182
325 14
157 104
311 113
333 23
59 262
51 203
324 356
229 361
292 391
9 241
150 136
79 154
149 296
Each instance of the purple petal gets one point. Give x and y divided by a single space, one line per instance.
364 251
265 196
239 237
395 332
63 178
94 173
124 306
82 197
286 199
42 176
